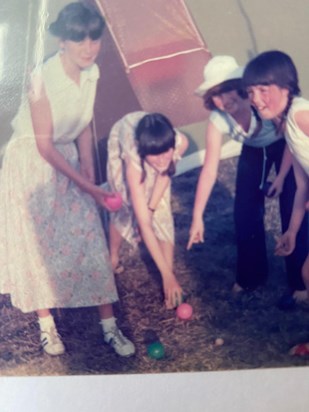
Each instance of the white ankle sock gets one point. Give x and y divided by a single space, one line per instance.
46 323
108 324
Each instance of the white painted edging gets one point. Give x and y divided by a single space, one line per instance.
196 159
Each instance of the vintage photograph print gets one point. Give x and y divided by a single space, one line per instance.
153 186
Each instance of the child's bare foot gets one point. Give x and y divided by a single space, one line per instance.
300 295
117 266
119 269
237 288
301 349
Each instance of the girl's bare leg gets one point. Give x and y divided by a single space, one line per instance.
114 245
43 313
106 311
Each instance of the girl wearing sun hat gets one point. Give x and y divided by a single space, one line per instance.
231 114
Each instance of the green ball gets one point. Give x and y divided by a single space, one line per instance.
155 350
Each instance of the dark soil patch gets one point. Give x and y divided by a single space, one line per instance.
256 333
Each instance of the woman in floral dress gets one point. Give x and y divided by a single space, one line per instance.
53 251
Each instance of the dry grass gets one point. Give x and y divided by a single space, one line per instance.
256 333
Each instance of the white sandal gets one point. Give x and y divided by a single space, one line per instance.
119 268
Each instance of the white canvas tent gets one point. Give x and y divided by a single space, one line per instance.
162 53
157 69
153 60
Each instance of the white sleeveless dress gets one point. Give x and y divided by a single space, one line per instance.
53 250
121 146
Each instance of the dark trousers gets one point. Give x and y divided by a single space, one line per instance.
252 268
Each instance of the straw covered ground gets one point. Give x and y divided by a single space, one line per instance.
255 333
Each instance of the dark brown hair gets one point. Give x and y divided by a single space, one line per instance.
274 67
76 21
224 87
155 135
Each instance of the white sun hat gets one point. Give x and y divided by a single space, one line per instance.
219 69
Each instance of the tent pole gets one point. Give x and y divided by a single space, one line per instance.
110 27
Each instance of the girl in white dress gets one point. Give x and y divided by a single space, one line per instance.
53 252
142 152
271 80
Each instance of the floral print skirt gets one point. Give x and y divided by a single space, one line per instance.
53 250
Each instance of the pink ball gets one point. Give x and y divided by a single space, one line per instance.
184 311
114 202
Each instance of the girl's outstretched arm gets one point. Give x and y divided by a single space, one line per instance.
183 145
206 181
161 184
85 149
172 290
286 243
286 164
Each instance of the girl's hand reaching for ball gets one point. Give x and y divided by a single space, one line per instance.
172 291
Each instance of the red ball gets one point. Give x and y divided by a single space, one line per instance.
114 202
184 311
